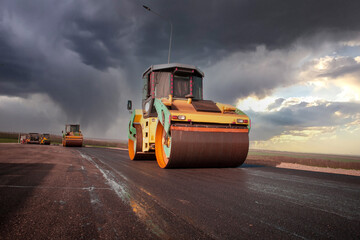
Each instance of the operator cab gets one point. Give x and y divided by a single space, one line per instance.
34 136
46 135
175 81
72 128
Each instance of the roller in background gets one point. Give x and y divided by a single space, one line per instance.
45 139
181 129
72 137
33 138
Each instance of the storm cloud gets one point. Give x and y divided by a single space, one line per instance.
88 56
301 116
339 67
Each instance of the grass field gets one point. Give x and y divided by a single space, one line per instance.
9 135
8 140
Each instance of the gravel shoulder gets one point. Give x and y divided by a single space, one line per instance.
338 164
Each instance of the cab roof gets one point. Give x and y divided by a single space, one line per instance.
158 67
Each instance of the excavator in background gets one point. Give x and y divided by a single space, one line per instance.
72 137
181 129
45 139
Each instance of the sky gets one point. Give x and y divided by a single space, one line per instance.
292 66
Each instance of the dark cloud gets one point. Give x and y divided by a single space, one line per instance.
104 33
276 104
204 30
88 56
39 55
18 115
338 67
251 73
300 116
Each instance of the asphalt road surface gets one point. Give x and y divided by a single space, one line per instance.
93 193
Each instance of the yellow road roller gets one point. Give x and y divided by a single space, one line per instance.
181 129
72 137
45 139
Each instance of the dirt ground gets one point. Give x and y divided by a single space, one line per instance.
319 169
318 161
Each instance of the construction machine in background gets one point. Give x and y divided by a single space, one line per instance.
181 129
72 137
27 139
23 138
45 139
33 138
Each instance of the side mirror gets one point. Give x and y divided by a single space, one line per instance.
129 105
62 131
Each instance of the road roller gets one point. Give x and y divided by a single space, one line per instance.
34 138
72 137
180 129
45 139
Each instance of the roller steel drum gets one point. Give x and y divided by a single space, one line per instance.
201 146
73 141
135 147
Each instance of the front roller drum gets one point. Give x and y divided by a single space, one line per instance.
72 142
190 147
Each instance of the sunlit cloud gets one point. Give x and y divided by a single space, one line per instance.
255 104
352 43
314 139
338 72
353 126
303 135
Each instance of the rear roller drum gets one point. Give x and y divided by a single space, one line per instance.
162 144
135 147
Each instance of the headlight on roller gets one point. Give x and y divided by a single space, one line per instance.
179 117
242 121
